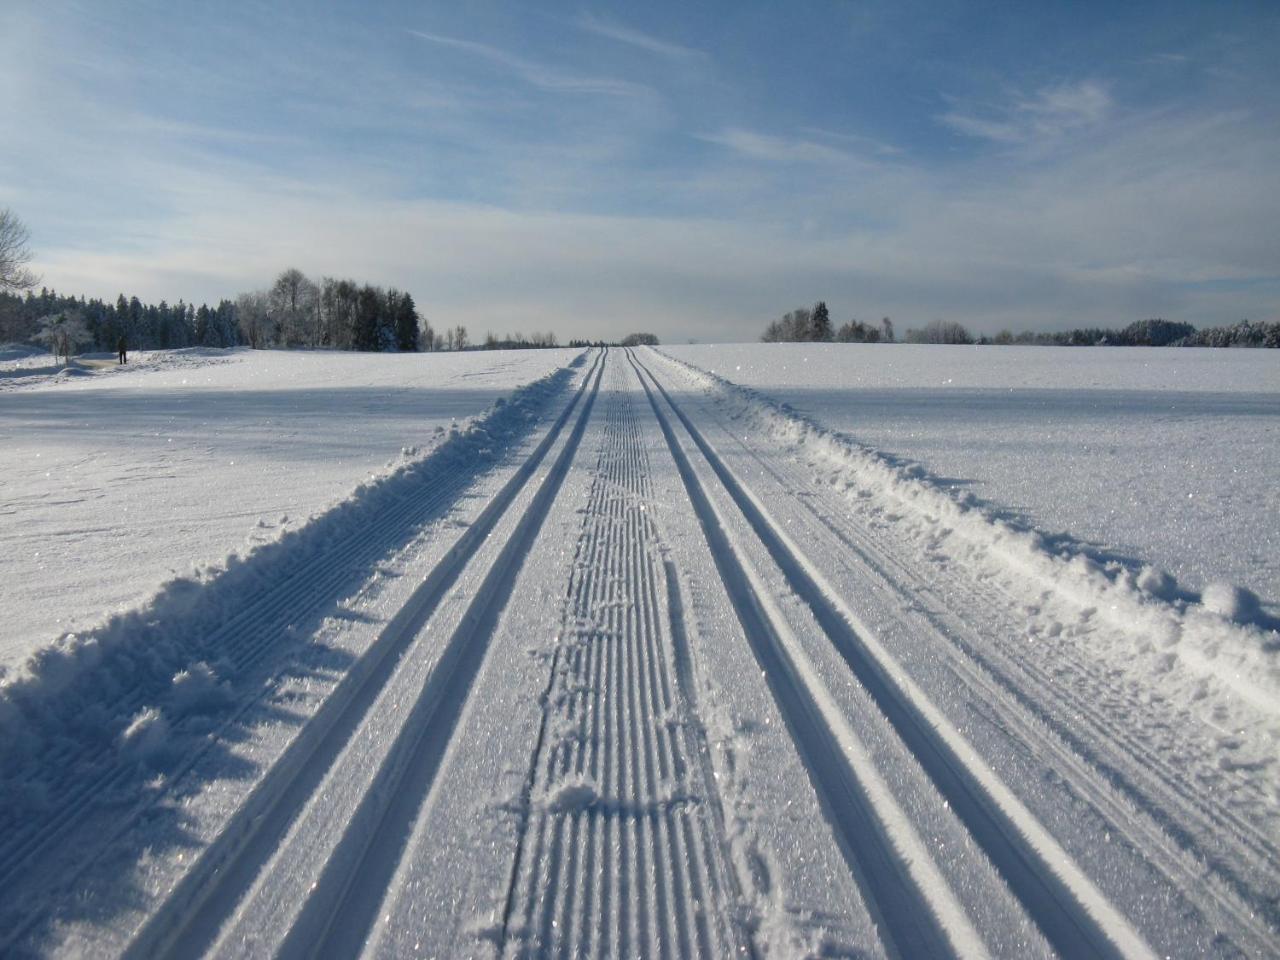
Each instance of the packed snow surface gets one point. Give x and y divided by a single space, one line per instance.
634 662
121 477
1167 457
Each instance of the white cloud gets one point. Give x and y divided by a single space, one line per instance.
1168 212
540 75
1047 115
635 38
856 141
763 146
1172 216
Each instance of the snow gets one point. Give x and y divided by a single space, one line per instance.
196 689
1058 581
123 477
1197 688
634 661
1231 602
147 734
1164 457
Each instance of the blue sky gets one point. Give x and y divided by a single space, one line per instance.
691 169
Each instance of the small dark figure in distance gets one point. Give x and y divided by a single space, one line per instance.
122 347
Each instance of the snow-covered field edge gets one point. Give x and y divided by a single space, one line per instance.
1204 653
115 687
23 367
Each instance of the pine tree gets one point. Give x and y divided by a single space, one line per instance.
387 306
368 311
204 323
406 323
820 323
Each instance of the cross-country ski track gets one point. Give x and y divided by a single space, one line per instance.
643 665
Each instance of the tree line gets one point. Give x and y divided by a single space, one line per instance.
813 325
334 314
518 341
293 312
143 326
1154 332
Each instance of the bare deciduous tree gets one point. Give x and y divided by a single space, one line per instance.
14 253
252 314
294 304
940 331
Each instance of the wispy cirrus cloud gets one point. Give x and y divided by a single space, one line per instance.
776 149
1160 220
540 75
1168 59
636 38
1047 114
516 175
855 141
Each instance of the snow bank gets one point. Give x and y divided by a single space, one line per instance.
115 482
1159 455
19 351
24 367
119 689
1185 649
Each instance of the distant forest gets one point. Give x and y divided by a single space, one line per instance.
293 312
814 325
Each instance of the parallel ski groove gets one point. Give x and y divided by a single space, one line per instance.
1091 742
344 902
1153 787
620 870
872 547
190 916
905 913
1069 912
243 639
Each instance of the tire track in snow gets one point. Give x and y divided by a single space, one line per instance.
186 923
620 851
1070 911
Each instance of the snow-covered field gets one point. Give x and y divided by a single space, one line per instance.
1163 456
641 662
116 479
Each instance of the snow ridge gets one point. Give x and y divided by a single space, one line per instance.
1189 650
23 367
918 911
1185 770
89 701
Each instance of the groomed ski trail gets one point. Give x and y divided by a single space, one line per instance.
621 846
1152 772
645 700
337 856
910 894
1132 783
